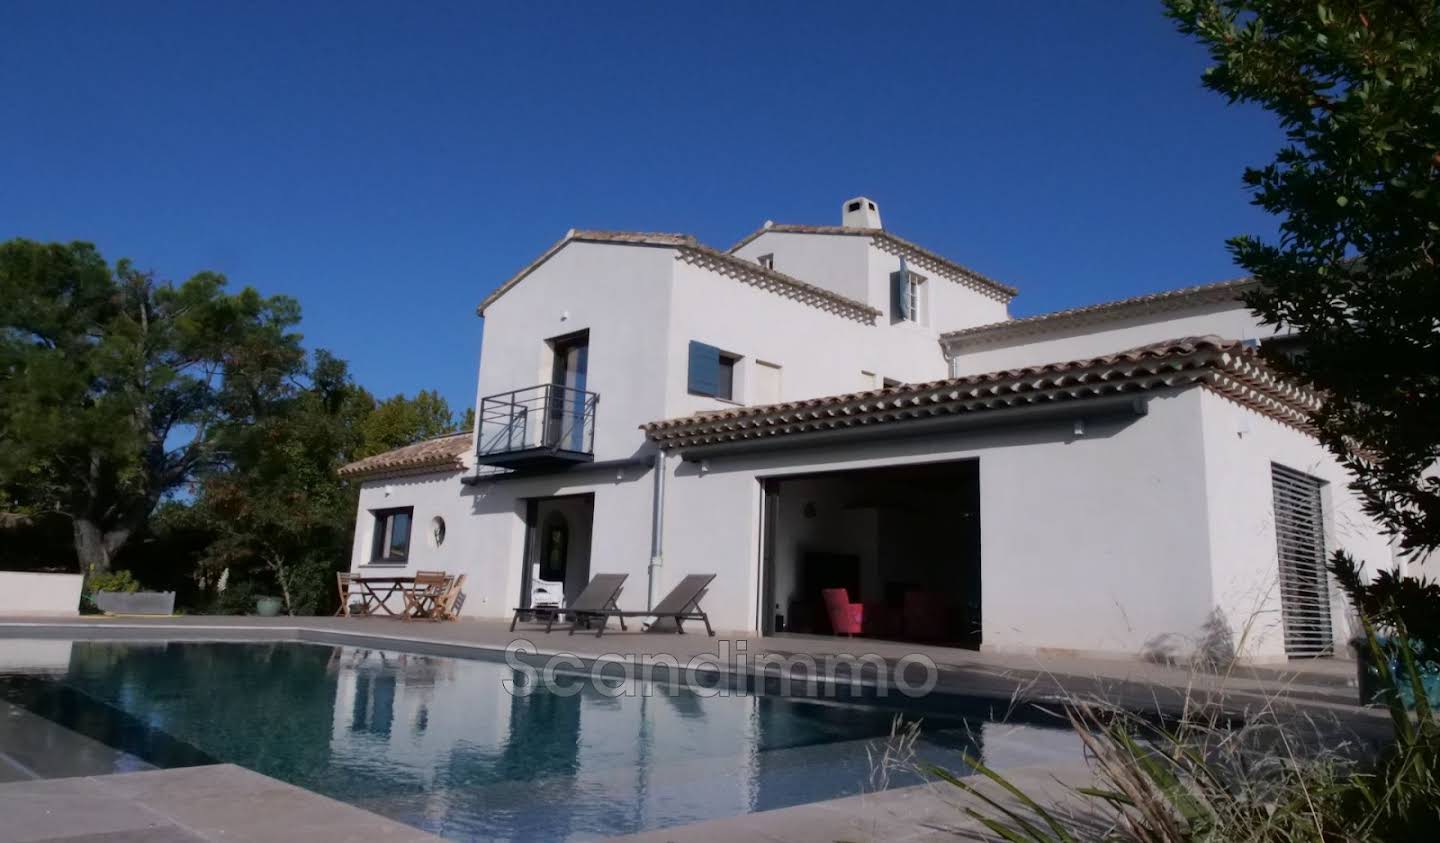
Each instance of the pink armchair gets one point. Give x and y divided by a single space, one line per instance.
846 618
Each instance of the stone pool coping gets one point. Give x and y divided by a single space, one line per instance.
220 802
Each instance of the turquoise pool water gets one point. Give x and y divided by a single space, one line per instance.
438 743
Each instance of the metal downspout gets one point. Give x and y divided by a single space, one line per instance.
657 532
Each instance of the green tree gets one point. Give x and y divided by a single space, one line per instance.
280 511
400 421
113 385
1356 87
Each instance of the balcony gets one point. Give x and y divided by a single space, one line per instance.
540 427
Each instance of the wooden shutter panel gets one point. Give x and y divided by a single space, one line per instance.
899 298
704 376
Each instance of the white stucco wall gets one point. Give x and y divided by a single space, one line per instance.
621 294
854 267
820 353
1228 320
485 537
949 305
1095 543
839 263
24 593
1240 446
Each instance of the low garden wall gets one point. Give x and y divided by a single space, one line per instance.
25 593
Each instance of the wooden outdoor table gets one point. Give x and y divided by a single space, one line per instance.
372 597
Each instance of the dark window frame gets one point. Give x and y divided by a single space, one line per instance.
725 389
380 553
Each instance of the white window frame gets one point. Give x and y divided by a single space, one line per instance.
915 297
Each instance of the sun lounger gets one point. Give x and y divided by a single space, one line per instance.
680 605
598 597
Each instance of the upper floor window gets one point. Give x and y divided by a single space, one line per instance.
907 296
711 371
392 535
767 261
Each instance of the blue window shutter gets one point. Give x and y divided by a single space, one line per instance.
704 368
899 298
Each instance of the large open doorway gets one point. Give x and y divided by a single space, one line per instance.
903 542
556 563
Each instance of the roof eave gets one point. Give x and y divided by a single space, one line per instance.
1224 366
1136 306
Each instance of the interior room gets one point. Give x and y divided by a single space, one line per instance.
902 542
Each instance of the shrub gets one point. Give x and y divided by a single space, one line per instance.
113 581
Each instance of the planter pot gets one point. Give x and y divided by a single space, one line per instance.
135 602
268 607
1372 690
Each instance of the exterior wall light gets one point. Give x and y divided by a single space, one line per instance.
1079 427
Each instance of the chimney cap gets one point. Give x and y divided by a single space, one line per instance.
860 212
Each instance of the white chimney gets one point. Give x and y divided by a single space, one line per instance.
860 212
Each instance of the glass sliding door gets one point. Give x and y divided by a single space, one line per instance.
565 422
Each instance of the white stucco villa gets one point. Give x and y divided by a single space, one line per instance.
835 406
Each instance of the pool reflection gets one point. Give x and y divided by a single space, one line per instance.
439 743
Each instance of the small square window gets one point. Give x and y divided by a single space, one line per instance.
392 535
767 261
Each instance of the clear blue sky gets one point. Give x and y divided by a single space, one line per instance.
389 164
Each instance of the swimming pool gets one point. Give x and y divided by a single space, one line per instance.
439 743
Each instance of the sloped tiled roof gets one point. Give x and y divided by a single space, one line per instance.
442 453
1225 366
1089 314
694 252
919 255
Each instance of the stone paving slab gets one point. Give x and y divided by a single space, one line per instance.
211 803
32 747
919 814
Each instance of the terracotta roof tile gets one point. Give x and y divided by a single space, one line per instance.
1224 366
442 453
898 245
1150 303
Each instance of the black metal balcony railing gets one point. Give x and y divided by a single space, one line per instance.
539 424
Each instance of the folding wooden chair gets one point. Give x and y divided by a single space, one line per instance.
347 600
428 588
447 606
